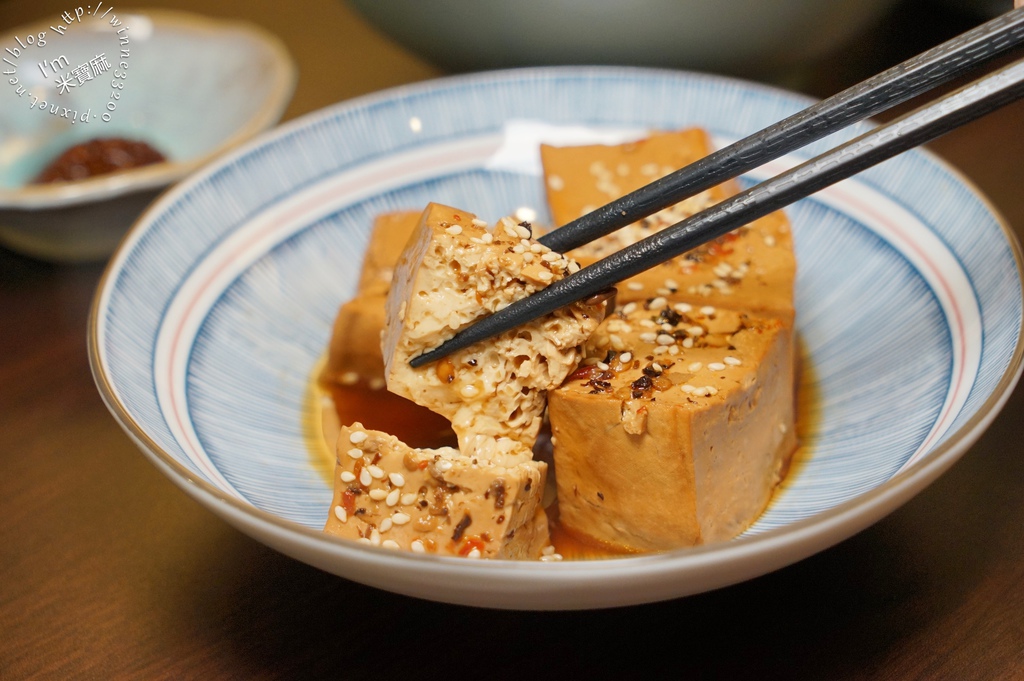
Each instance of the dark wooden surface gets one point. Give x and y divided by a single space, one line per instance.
107 571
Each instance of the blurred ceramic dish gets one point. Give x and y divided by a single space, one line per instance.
213 314
741 37
194 87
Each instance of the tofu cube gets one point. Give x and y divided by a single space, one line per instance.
438 500
453 272
676 429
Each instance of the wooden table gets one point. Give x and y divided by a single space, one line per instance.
108 571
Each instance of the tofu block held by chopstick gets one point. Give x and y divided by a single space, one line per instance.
438 500
676 429
453 272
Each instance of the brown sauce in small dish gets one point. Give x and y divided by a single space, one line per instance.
98 157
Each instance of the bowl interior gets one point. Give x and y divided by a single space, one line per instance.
214 313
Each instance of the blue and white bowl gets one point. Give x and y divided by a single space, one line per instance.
212 316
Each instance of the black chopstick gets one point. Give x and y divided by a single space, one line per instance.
872 96
921 125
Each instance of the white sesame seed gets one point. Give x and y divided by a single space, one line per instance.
673 349
547 550
408 499
544 275
357 436
475 553
625 357
396 479
710 390
349 378
385 525
363 540
671 284
682 308
665 339
340 514
573 267
550 256
487 238
376 471
479 223
657 303
629 308
364 478
635 286
695 331
525 214
519 248
687 343
648 336
355 453
454 230
733 361
390 544
444 465
348 476
695 367
523 232
616 341
553 558
400 518
687 388
716 366
660 350
417 546
375 537
648 324
602 366
393 497
656 366
538 248
469 390
378 494
707 310
527 257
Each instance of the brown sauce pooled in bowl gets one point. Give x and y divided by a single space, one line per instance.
98 157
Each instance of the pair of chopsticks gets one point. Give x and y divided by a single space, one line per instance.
874 95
